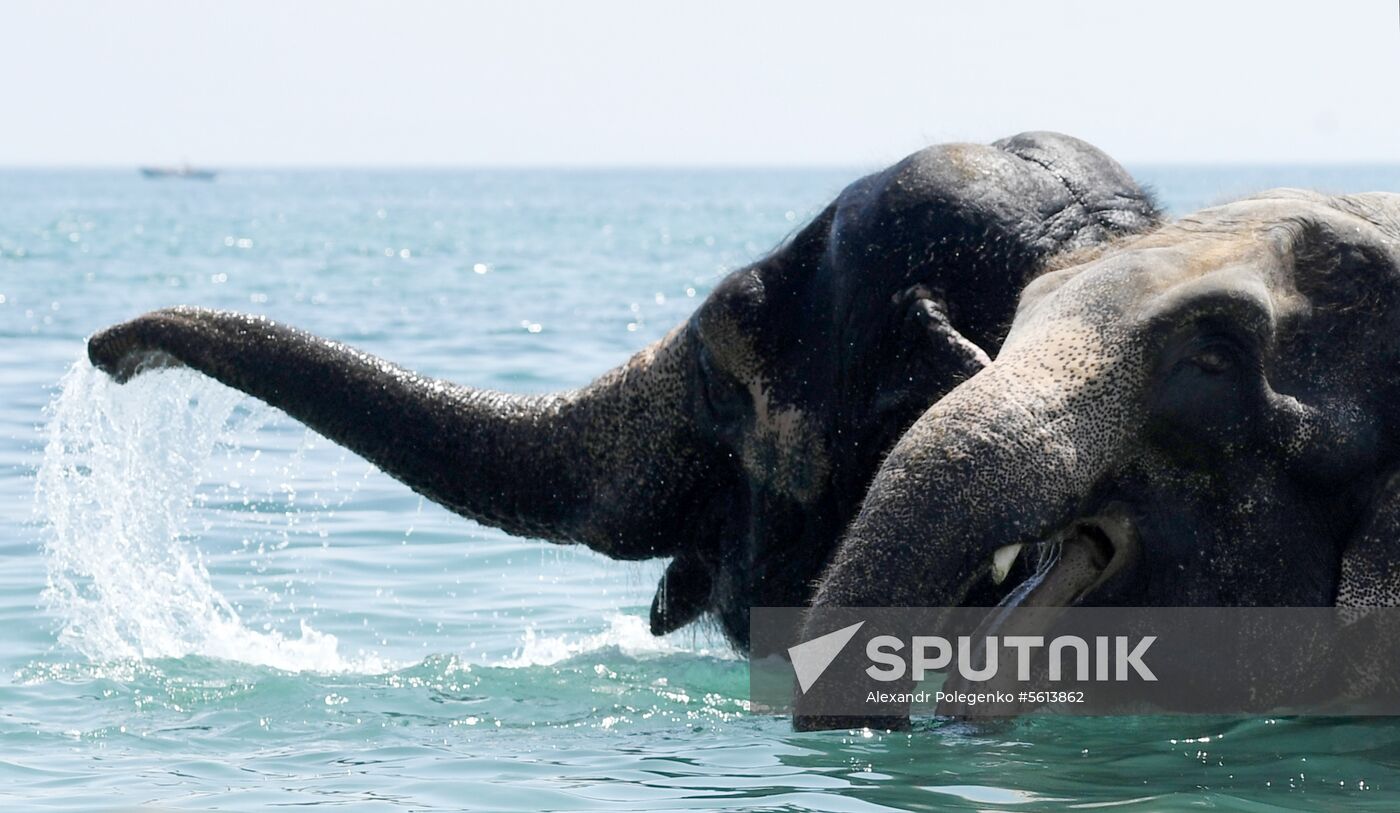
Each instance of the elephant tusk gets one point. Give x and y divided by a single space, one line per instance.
1002 561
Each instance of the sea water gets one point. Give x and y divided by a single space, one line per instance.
208 606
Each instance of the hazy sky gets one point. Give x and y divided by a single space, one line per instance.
599 82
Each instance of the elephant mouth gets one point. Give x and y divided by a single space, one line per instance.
1078 564
1068 565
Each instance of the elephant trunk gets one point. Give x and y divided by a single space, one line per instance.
1006 459
611 466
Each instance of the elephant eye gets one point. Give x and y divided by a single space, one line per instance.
723 395
1208 392
1216 358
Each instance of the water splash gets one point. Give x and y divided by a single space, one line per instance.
628 634
115 492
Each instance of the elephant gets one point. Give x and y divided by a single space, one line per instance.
1203 414
741 444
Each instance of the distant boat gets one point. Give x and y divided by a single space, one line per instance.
185 171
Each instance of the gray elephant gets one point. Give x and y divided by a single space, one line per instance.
1207 414
741 444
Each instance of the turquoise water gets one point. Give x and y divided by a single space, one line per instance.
209 607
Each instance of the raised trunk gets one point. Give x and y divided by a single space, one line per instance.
613 465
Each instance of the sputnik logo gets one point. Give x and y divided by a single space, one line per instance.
811 658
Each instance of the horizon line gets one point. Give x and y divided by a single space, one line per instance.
678 166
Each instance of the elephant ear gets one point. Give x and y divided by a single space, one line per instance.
1370 581
1370 574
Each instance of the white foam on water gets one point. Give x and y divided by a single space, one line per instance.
115 493
627 634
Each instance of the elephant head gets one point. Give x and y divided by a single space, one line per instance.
740 444
1207 415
